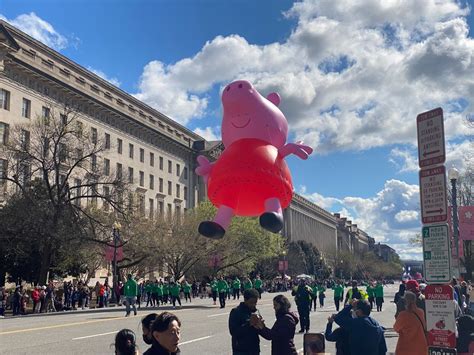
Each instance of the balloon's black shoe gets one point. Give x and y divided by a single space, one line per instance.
211 230
271 221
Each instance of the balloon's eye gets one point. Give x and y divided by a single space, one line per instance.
228 88
240 86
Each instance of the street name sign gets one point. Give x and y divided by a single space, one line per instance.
431 147
434 204
441 351
436 253
440 321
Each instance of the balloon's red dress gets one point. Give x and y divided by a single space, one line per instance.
247 173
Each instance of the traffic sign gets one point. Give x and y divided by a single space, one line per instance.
441 351
440 321
431 147
436 253
434 205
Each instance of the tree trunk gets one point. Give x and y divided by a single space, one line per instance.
46 258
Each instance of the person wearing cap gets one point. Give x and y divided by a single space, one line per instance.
412 286
355 293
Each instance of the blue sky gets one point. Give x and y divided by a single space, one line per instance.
352 77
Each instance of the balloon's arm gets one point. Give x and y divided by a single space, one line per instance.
205 167
299 149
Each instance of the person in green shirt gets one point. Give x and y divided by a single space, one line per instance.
257 283
187 290
175 289
166 292
379 296
236 288
222 287
130 291
148 288
248 284
314 297
338 294
371 294
214 290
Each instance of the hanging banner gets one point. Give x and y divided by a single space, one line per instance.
466 222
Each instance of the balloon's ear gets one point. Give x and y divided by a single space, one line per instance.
274 98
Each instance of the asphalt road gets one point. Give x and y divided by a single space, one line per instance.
204 328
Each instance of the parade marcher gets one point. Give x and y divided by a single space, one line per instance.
126 343
410 325
186 290
257 284
338 294
214 290
400 293
321 295
222 287
174 291
314 297
229 288
248 284
166 292
149 294
283 331
339 335
366 336
371 294
140 292
236 288
194 288
166 332
130 293
355 293
379 296
242 322
146 328
303 294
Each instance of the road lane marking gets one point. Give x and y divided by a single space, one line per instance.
217 315
95 335
59 326
194 340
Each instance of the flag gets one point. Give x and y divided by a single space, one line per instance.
466 222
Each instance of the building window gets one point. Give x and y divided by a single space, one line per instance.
130 175
79 129
178 191
26 108
185 173
4 99
107 141
141 204
3 170
24 174
185 193
45 114
170 188
170 210
151 208
178 211
119 146
106 167
4 129
119 171
161 208
178 170
152 182
160 185
94 135
170 167
63 119
142 155
25 139
161 163
152 159
130 150
94 163
105 202
142 179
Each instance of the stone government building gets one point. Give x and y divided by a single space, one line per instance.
157 154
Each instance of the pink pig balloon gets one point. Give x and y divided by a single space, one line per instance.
251 177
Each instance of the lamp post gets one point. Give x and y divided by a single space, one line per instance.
453 175
116 236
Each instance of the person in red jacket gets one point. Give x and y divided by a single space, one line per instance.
35 296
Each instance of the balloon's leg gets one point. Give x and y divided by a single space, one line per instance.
216 229
272 219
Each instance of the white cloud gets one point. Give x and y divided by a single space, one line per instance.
404 159
406 216
39 29
318 199
209 133
352 75
113 80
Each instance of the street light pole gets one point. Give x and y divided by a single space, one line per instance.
453 175
116 236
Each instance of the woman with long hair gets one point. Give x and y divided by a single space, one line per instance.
283 331
410 325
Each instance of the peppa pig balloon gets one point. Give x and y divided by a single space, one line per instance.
251 177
